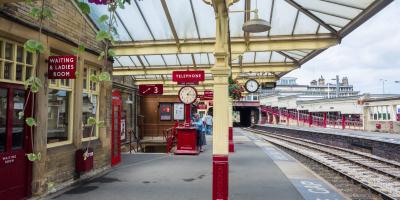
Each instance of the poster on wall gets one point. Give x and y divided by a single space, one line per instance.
179 111
398 113
236 116
165 111
123 128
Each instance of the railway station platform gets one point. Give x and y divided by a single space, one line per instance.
258 170
375 136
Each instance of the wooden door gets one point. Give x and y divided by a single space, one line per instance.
116 127
15 169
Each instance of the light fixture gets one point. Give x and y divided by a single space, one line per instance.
128 101
256 25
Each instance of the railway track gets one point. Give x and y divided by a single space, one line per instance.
376 174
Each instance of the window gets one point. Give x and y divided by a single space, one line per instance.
16 64
380 113
3 119
59 112
90 107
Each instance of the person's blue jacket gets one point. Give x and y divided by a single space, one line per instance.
198 124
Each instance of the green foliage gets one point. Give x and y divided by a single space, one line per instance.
20 115
91 121
85 8
81 48
111 53
33 157
34 83
40 13
101 124
102 19
104 76
77 74
102 35
34 46
101 56
30 121
94 78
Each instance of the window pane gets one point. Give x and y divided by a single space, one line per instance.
58 115
85 78
7 70
1 49
9 51
20 54
28 73
89 109
18 124
93 84
29 58
18 75
3 118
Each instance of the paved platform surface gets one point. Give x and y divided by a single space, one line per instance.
383 137
257 171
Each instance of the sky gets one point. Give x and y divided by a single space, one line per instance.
369 54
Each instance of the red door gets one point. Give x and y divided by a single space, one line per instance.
15 169
116 127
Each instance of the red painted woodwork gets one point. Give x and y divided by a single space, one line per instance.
186 141
324 124
231 144
220 177
15 168
82 165
116 127
61 67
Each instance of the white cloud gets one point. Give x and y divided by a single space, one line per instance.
368 54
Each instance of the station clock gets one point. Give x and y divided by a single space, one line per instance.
187 94
252 86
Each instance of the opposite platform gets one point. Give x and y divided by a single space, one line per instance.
257 170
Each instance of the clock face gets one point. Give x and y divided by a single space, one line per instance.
252 85
187 94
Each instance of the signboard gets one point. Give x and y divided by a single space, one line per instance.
188 77
154 89
210 103
165 111
179 111
208 93
202 97
268 85
202 106
61 67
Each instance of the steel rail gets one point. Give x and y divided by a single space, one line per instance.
307 145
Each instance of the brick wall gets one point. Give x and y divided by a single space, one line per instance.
67 21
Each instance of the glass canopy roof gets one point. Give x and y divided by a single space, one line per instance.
194 20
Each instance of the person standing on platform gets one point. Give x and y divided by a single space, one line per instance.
208 119
201 138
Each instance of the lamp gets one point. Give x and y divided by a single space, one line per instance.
256 25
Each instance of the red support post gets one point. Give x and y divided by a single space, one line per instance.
343 121
187 115
231 144
324 119
310 119
221 177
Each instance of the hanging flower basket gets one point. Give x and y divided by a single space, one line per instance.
84 159
235 89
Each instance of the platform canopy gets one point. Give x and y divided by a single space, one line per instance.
159 36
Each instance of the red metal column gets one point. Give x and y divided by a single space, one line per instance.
231 144
343 121
187 115
220 177
324 119
310 119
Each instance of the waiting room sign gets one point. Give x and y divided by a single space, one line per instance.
61 67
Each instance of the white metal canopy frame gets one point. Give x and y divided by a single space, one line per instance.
159 36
